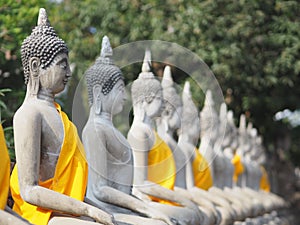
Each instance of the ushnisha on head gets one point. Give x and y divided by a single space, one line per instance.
42 43
190 112
190 122
103 72
145 88
171 98
208 118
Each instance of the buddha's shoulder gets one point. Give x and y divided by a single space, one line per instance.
27 110
99 129
31 111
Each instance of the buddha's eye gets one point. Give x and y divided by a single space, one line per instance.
63 66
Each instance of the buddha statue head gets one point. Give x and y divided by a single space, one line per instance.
190 122
234 132
146 92
171 113
260 152
223 127
45 58
243 137
255 150
209 119
105 82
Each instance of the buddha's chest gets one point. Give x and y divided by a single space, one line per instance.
119 150
51 143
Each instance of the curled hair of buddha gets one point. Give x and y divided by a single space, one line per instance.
171 98
103 72
42 43
145 87
190 113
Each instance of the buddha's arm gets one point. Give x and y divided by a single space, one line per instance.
138 139
190 156
116 197
9 219
27 134
199 193
160 192
93 141
189 152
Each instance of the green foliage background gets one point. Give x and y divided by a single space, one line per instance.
251 46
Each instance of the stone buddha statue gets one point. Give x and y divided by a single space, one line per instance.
255 174
243 147
109 154
200 177
224 142
230 151
210 145
49 179
154 171
169 123
188 139
188 159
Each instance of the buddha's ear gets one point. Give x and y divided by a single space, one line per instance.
97 98
34 68
139 111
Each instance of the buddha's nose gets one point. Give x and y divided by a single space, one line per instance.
68 73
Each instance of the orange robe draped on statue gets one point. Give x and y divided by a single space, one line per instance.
161 166
201 171
4 170
238 167
264 181
70 176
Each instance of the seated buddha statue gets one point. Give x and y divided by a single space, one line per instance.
108 152
231 152
210 148
188 139
243 147
224 142
6 216
255 174
200 177
49 180
168 123
154 165
209 133
187 160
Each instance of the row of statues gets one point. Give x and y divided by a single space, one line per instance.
148 177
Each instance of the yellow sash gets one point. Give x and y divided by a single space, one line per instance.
4 170
238 167
161 165
70 176
201 171
264 181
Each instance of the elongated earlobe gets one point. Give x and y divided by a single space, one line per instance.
166 125
97 99
34 80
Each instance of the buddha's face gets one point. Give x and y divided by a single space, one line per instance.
56 76
172 115
194 129
115 99
153 108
